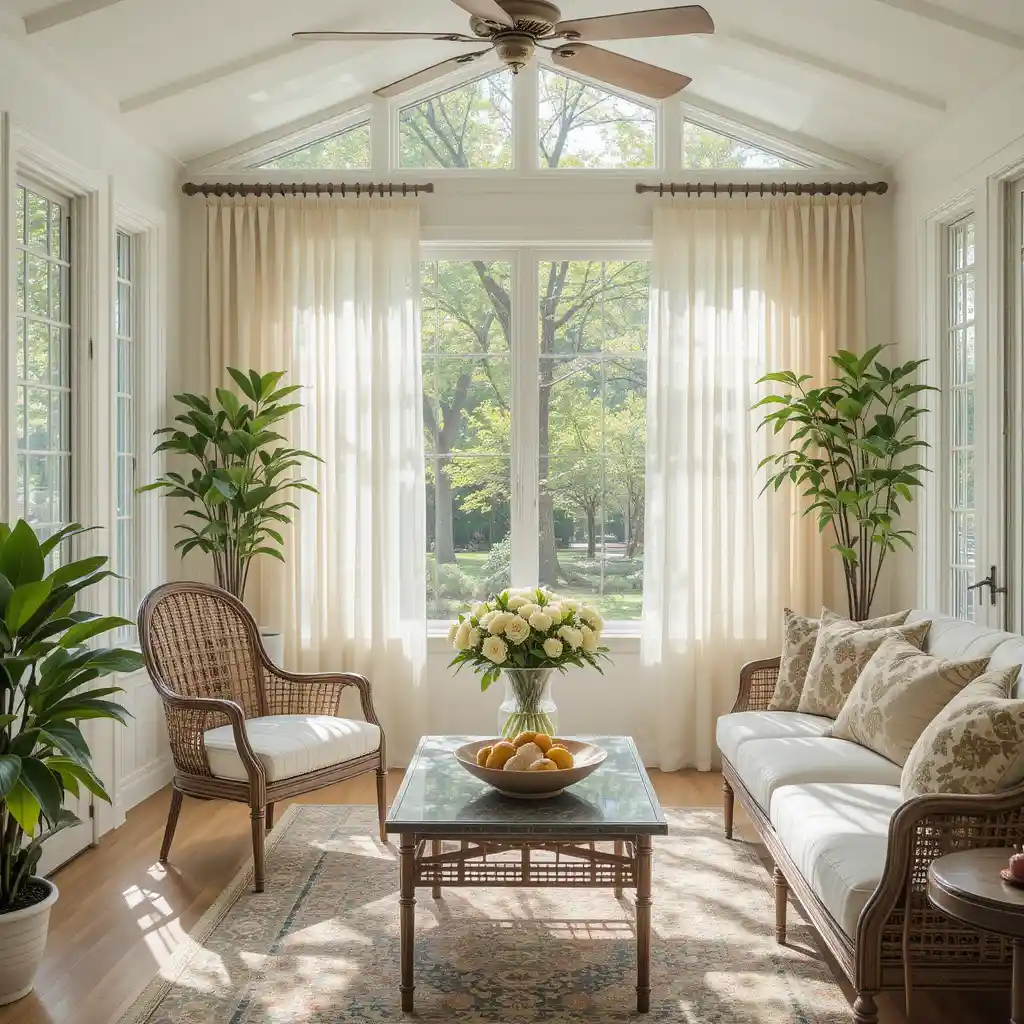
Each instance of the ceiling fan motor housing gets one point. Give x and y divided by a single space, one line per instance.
514 49
534 18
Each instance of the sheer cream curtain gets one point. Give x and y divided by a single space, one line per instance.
328 289
739 288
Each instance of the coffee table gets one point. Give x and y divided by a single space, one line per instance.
454 830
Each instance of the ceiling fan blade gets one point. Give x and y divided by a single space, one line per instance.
622 72
668 21
486 10
383 37
427 74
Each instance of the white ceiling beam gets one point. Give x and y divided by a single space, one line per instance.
60 14
792 55
804 143
209 75
930 11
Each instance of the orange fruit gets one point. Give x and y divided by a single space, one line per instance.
499 754
523 737
543 765
561 757
482 754
543 740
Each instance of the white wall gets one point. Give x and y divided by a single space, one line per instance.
51 119
961 166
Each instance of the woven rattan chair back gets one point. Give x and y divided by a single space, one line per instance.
199 641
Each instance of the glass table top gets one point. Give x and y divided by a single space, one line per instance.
438 796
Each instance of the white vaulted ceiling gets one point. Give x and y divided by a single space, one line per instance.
869 77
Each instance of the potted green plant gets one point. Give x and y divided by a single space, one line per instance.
241 471
46 666
851 450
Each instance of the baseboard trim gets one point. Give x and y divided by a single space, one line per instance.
144 783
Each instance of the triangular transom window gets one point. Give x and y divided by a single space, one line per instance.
706 148
348 149
581 125
469 126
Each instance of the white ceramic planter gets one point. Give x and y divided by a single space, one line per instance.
22 942
273 644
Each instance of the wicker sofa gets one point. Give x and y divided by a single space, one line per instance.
855 855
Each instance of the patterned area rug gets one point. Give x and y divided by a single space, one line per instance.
321 945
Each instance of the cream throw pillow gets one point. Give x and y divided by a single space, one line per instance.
840 653
899 692
974 745
798 646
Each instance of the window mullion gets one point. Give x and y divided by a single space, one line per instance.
525 422
670 135
382 139
526 91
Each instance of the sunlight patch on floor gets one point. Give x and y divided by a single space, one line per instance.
361 846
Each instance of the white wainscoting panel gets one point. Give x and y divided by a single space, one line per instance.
142 754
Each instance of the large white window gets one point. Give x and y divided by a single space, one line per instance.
42 358
534 416
126 321
959 406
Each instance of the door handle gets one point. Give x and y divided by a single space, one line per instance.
989 581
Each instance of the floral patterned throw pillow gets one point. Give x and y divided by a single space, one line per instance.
840 653
896 696
974 745
798 646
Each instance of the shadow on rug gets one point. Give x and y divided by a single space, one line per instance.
321 945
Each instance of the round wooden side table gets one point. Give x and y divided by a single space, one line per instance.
966 886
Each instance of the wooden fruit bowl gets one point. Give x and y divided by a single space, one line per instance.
533 785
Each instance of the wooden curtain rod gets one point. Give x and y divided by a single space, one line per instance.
384 188
816 188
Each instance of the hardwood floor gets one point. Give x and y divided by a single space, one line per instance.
121 915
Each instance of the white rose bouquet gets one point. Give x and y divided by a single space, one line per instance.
527 629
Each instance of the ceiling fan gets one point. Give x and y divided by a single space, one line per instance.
514 29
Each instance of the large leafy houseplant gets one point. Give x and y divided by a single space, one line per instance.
852 451
241 473
46 667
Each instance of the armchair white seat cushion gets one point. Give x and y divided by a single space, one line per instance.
837 835
767 765
290 745
741 726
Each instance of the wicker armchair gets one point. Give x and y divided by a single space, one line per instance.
204 655
902 942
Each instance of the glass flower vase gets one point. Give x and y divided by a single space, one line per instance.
528 706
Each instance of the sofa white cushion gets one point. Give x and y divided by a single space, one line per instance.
837 836
767 765
741 726
289 745
956 638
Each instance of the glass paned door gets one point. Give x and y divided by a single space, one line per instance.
1013 375
959 415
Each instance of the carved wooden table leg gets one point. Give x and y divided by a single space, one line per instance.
644 851
1017 1010
407 905
620 849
